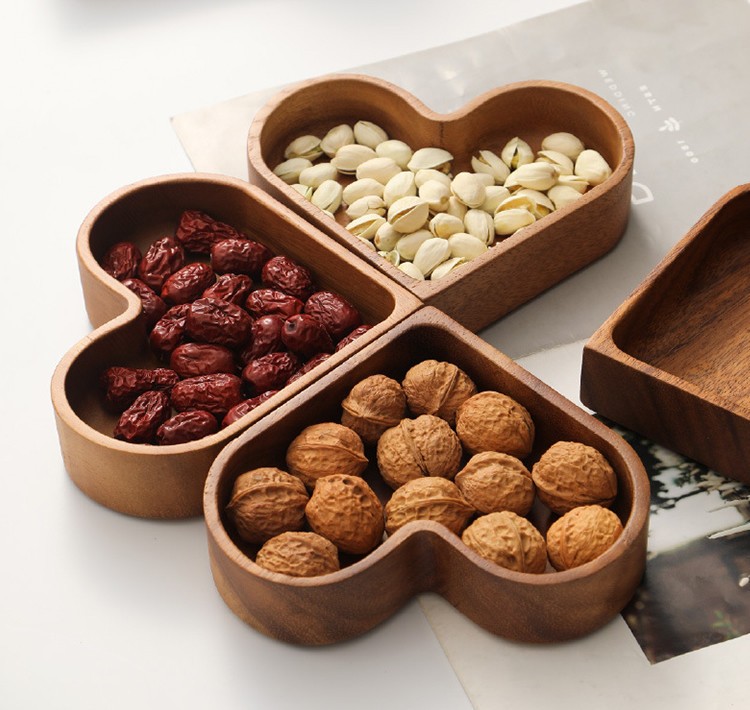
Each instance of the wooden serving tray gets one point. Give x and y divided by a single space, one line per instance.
167 481
425 556
672 362
517 268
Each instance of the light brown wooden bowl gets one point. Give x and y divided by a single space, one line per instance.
425 556
517 268
167 481
672 361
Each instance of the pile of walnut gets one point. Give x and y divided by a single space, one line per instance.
452 455
233 322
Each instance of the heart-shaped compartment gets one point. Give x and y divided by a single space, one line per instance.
424 556
167 481
515 269
671 362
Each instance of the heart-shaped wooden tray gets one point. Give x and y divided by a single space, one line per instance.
167 481
671 362
515 269
424 556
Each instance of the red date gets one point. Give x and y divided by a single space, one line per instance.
239 256
305 336
265 338
152 306
163 258
186 426
121 260
288 276
269 372
211 320
197 231
234 288
271 302
356 333
167 334
122 385
187 283
309 365
334 312
191 359
139 423
215 393
245 406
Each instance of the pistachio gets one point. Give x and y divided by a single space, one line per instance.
575 181
444 224
563 195
426 174
398 151
560 160
366 242
380 169
369 204
509 221
591 166
410 270
515 201
401 185
304 147
386 237
456 207
369 134
494 195
484 178
327 195
289 170
442 270
469 189
317 174
393 256
408 245
431 252
466 246
563 142
350 156
537 176
337 137
361 188
408 214
516 152
305 190
436 195
485 161
436 158
480 224
542 205
365 226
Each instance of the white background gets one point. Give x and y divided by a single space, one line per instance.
101 610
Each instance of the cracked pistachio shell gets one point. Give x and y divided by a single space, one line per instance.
408 245
444 224
380 169
427 174
563 195
456 208
349 157
469 189
442 270
494 195
408 214
489 163
542 205
484 178
369 134
327 195
466 246
398 151
563 142
479 224
410 270
436 195
563 162
336 138
401 185
523 202
393 256
317 174
304 147
509 221
361 188
305 190
367 243
386 237
289 170
575 181
591 166
431 252
436 158
537 176
365 226
369 204
516 152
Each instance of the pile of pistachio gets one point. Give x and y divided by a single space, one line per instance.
408 206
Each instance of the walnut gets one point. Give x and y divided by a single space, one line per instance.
266 502
323 449
570 474
437 388
425 446
299 554
581 535
508 540
492 482
372 406
491 421
428 498
346 511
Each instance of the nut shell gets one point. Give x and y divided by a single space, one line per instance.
425 446
492 421
346 511
439 388
266 502
299 554
581 535
428 498
373 405
508 540
570 474
324 449
492 482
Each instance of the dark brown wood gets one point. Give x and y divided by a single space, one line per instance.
425 556
672 362
167 482
527 263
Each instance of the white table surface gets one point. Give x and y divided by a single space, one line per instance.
99 610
